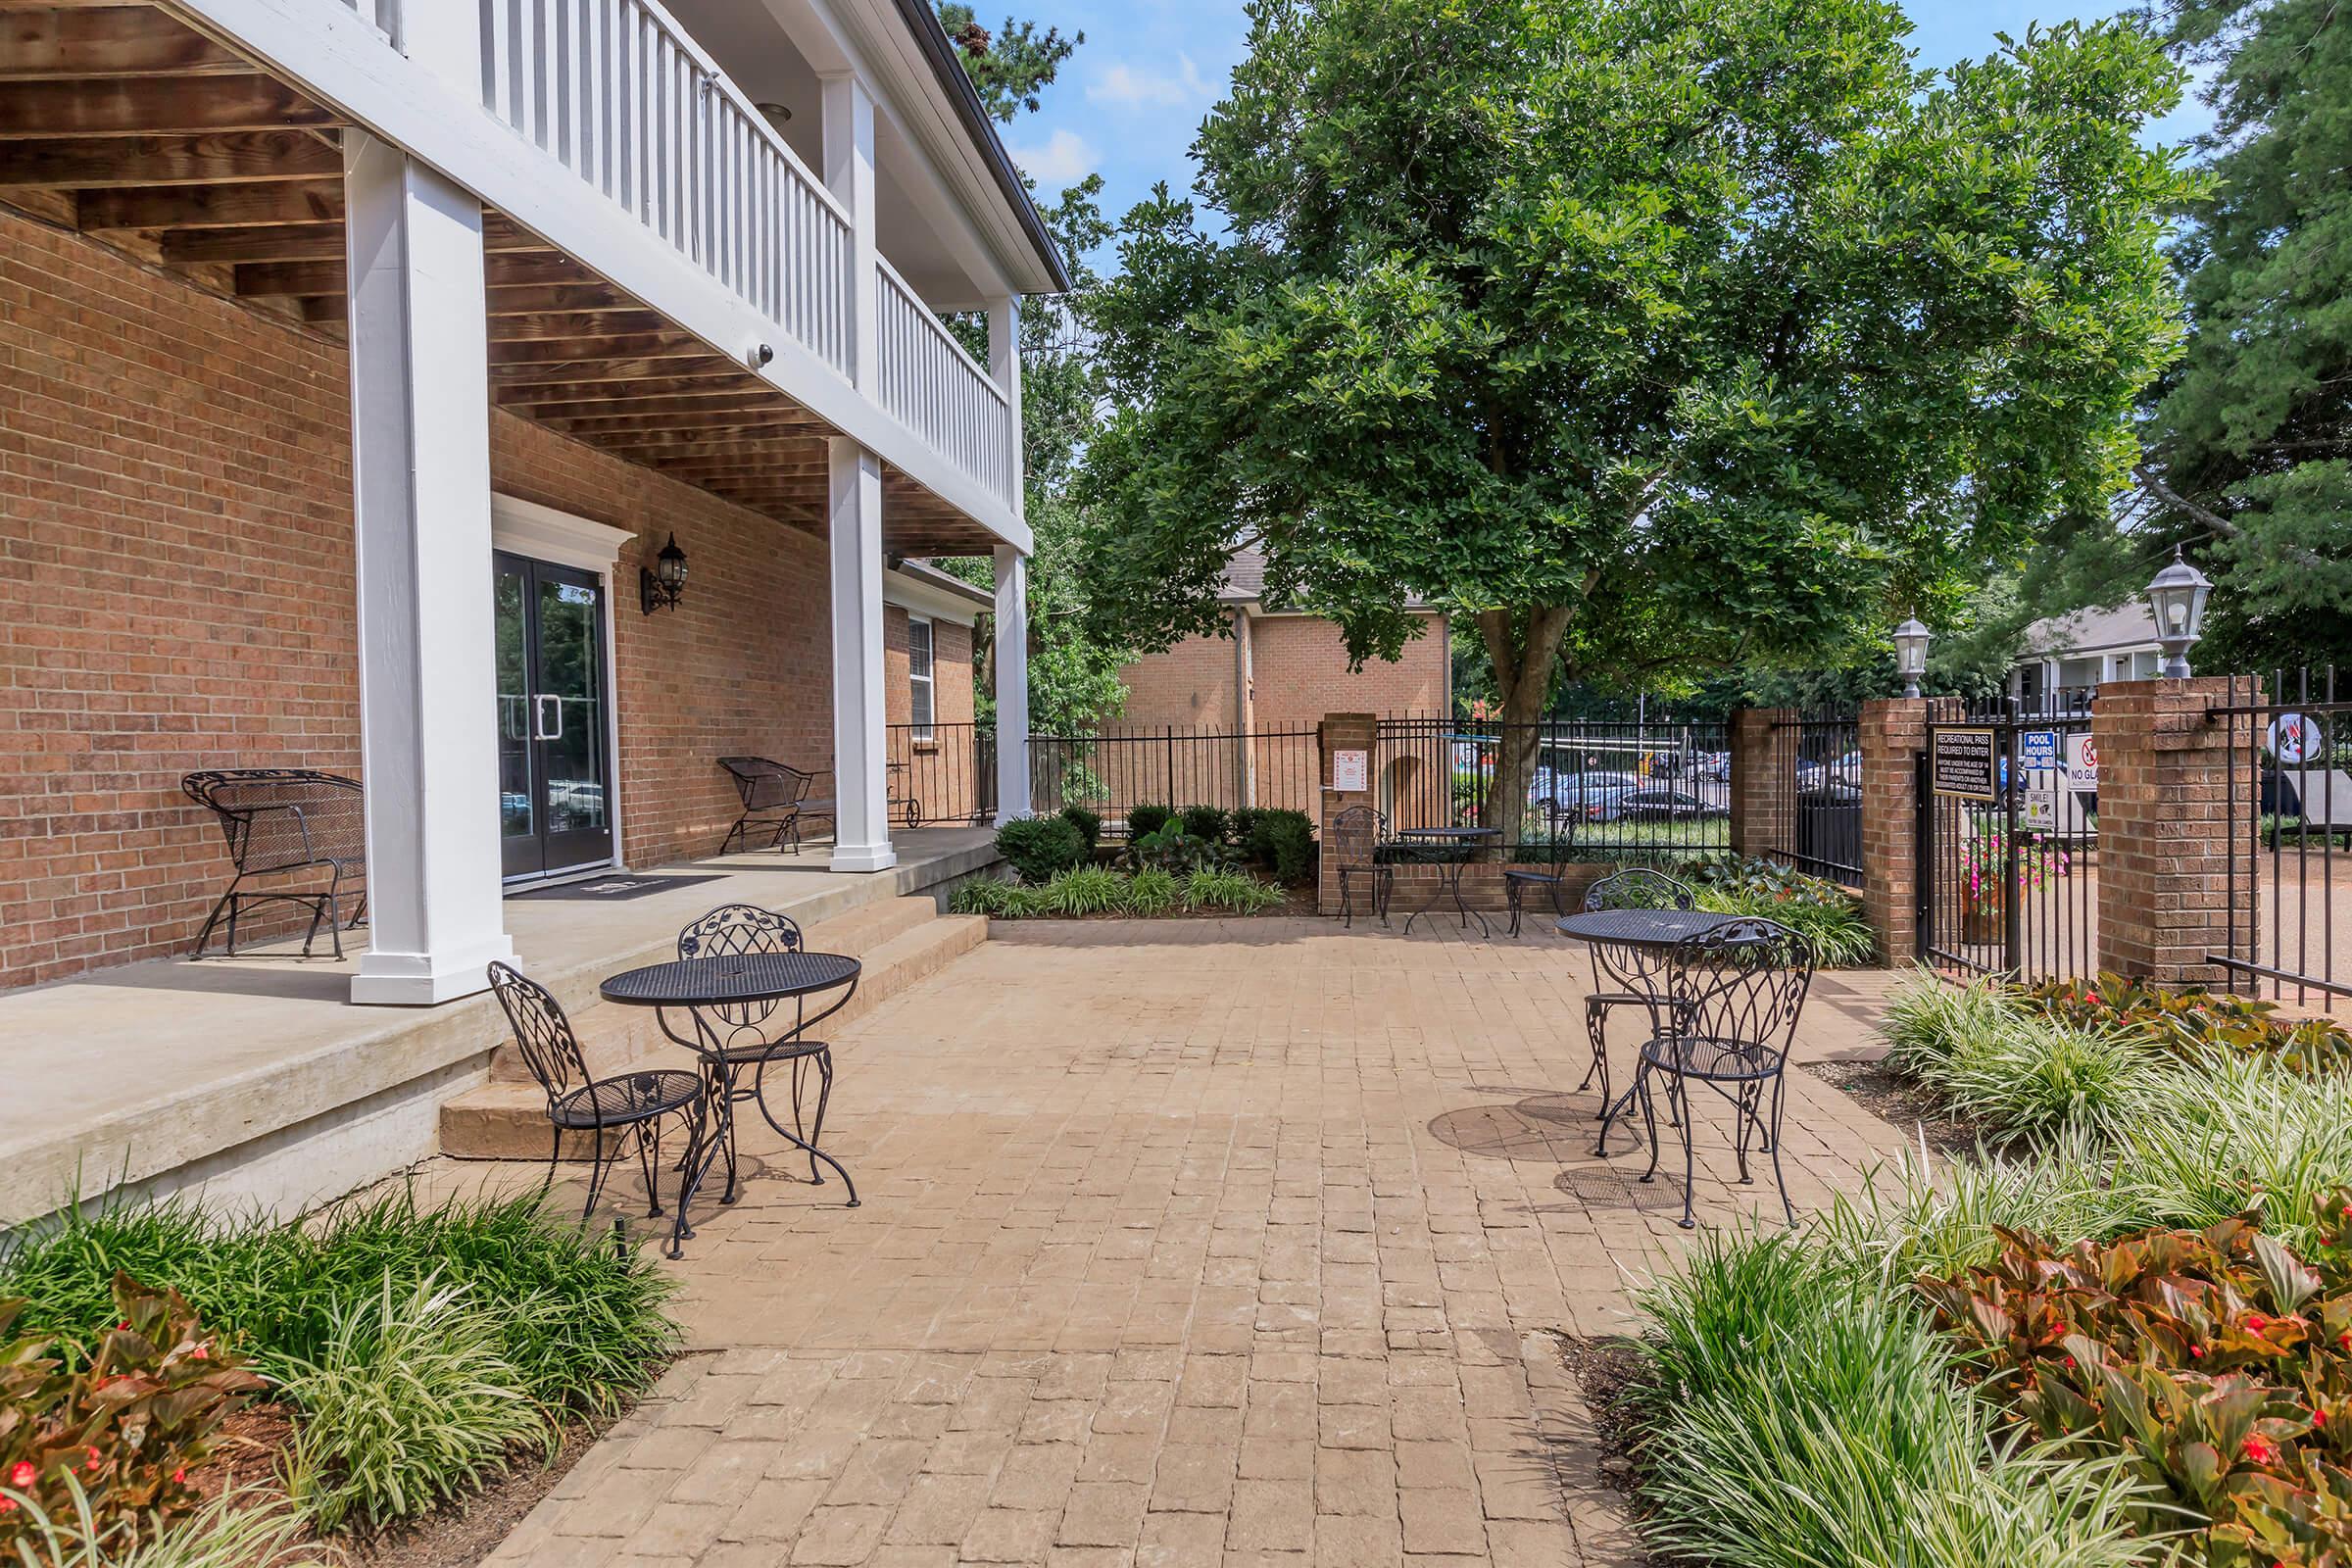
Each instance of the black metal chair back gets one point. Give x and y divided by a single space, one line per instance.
733 929
1639 887
1741 985
766 784
281 819
1357 834
542 1033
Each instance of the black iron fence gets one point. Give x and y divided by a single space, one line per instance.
1818 757
2289 892
940 772
1591 789
2008 844
1176 765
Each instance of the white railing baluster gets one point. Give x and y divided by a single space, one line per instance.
937 389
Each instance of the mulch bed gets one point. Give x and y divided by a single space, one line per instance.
1897 1101
1606 1371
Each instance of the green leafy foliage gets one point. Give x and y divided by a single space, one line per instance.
1040 847
1648 341
2216 1363
1083 890
1153 890
1142 819
580 1320
108 1442
2033 1080
409 1404
1148 889
1089 825
237 1528
2190 1021
1236 891
1170 846
1211 823
1825 914
1797 1414
1283 841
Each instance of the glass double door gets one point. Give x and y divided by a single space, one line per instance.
554 764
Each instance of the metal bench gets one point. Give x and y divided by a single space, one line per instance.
280 822
775 795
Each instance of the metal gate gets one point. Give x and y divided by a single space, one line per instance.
2008 845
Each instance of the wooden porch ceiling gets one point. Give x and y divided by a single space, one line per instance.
122 122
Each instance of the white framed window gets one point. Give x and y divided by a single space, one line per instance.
921 714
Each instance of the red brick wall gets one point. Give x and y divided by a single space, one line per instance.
1192 683
1300 669
2165 852
175 592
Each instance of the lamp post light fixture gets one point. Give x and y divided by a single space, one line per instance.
2177 596
664 584
1911 654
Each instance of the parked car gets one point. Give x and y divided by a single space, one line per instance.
1578 790
1716 766
1660 805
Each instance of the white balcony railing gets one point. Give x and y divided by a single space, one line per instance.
619 93
381 15
934 388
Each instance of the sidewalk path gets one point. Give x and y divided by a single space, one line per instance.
1200 1243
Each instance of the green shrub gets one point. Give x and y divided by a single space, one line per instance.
108 1442
1826 915
1040 847
1236 891
1087 822
1142 819
580 1319
1169 848
2191 1020
2029 1078
409 1404
1928 1019
235 1530
1283 843
1208 823
1242 824
1152 890
1086 889
984 894
1796 1415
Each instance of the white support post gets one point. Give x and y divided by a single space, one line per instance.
420 475
1004 368
849 147
1013 684
861 743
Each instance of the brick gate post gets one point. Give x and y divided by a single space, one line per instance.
1341 732
1763 781
1893 732
2164 828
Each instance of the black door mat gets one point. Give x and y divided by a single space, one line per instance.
619 885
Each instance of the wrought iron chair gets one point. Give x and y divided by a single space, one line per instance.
1355 839
630 1106
279 821
775 795
1736 994
1623 975
1559 831
749 1041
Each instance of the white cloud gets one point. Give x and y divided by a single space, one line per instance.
1124 84
1065 159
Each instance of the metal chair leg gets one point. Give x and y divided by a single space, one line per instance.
596 1174
1690 1155
1779 1083
649 1162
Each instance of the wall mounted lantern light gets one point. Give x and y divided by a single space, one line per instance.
2177 596
1911 654
660 587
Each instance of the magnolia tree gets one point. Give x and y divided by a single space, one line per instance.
1653 336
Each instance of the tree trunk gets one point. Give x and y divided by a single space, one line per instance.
1524 645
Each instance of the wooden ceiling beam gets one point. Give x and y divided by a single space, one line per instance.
103 161
533 299
116 40
549 325
700 404
673 350
192 207
188 106
670 430
528 386
301 278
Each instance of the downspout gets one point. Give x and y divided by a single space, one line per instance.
1245 707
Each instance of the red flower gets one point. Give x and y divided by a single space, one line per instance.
8 1505
2070 1361
2260 1449
179 1478
2197 1350
201 1354
2257 1322
2318 1419
21 1474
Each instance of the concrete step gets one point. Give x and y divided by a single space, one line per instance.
898 947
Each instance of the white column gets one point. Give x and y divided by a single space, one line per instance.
1004 367
861 829
420 478
848 146
1013 684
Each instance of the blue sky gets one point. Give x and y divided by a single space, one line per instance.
1130 100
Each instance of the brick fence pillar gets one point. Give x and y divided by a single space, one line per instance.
1763 780
2164 828
1339 732
1893 732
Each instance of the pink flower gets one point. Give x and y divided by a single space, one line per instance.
2197 1350
21 1474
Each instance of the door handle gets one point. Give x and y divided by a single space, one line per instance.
539 712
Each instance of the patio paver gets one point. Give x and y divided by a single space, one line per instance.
1242 1243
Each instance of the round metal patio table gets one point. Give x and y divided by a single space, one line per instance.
695 987
1449 850
1648 929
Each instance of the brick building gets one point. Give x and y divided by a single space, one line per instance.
1282 669
349 400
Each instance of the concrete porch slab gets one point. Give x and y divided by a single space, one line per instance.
256 1077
